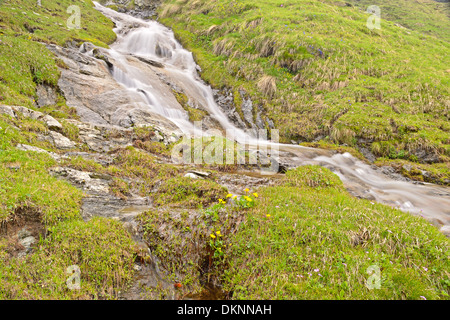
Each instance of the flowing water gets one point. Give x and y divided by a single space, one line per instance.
151 40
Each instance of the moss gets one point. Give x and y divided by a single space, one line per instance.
194 114
312 176
188 192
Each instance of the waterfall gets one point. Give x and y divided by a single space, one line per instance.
151 40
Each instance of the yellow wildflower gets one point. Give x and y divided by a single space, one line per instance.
268 215
235 197
247 190
229 195
256 195
212 236
218 233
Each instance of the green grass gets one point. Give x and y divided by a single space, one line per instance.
24 179
322 249
319 72
425 16
101 248
189 193
24 29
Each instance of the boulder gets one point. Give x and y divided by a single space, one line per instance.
60 141
46 95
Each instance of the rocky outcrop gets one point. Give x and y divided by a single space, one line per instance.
16 111
144 9
46 95
89 87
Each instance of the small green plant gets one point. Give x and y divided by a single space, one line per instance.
217 245
213 211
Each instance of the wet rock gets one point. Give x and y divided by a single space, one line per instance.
109 206
367 154
150 62
99 99
82 179
426 157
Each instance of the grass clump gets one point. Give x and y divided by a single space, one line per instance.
188 192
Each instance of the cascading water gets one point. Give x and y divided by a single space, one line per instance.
151 40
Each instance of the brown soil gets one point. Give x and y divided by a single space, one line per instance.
24 218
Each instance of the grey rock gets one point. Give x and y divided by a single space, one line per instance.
407 167
23 233
27 242
192 176
7 110
200 173
25 147
46 95
60 141
52 123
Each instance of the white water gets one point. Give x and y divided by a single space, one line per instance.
151 40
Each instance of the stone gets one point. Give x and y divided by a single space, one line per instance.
60 141
8 111
200 173
192 176
25 147
46 95
52 123
23 233
27 242
407 167
446 230
82 179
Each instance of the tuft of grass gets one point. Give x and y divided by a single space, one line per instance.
188 192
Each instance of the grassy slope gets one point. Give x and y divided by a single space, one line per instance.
311 249
305 238
426 16
24 27
101 248
320 72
